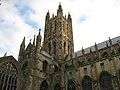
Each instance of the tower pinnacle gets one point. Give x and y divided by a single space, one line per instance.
38 41
60 7
34 41
47 16
59 10
39 31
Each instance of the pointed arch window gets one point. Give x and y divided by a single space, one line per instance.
56 69
54 45
44 85
105 81
87 83
64 47
102 66
45 66
8 76
71 85
57 87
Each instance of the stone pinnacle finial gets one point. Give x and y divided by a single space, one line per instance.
5 54
34 40
53 15
65 16
110 41
59 3
39 31
69 16
30 40
83 50
68 13
47 12
23 43
23 40
106 44
96 47
47 15
60 7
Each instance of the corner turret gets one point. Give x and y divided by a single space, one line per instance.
69 17
38 42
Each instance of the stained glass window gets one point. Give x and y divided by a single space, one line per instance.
105 81
71 85
87 83
8 77
44 85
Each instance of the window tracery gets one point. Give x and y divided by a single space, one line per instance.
8 77
87 83
44 85
71 85
105 81
57 87
45 65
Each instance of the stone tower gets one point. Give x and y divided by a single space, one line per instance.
58 35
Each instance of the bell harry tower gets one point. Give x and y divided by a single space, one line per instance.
58 35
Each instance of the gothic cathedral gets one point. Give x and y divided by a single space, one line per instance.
53 65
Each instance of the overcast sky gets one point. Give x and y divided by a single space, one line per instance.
93 21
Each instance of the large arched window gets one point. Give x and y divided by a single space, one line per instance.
57 87
87 83
105 81
71 85
45 65
8 77
44 85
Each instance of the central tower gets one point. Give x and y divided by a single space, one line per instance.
58 35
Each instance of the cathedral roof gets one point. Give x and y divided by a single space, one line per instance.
7 58
100 46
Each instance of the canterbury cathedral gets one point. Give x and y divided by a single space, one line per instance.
53 64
